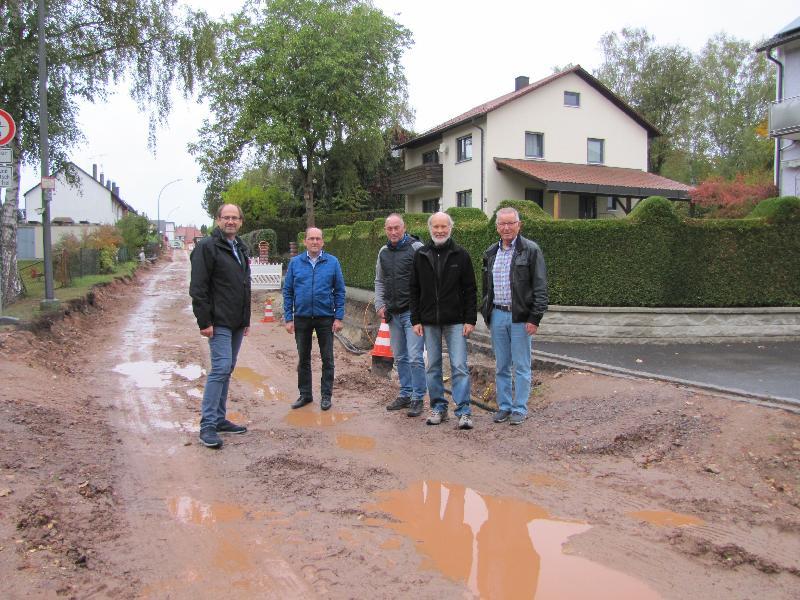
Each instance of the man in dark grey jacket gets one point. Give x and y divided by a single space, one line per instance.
514 301
392 278
220 291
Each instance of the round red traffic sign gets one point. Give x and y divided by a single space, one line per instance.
7 128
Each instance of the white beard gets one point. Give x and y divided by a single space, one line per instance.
439 242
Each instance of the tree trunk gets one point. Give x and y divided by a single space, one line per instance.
9 273
308 195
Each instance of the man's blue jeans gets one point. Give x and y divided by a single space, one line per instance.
457 348
224 346
512 346
407 349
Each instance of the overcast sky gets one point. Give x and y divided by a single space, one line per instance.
464 54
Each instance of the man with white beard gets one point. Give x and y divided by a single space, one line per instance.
444 306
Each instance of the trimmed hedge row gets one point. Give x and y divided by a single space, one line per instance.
650 258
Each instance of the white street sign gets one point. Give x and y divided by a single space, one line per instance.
6 172
6 156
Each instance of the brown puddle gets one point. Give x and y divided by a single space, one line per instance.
355 442
544 480
307 418
500 547
666 518
258 381
236 417
191 511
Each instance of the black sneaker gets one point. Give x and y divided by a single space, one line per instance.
325 403
301 402
415 408
501 416
517 419
399 403
227 427
210 438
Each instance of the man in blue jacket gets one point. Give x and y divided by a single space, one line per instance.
313 301
220 291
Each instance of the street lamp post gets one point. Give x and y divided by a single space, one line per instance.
158 213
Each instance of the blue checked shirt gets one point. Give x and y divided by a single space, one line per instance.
501 273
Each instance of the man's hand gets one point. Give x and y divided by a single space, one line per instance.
246 330
418 329
468 328
530 328
337 325
382 312
290 326
208 331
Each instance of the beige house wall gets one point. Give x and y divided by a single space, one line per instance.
57 232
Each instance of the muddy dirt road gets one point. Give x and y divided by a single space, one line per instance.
612 489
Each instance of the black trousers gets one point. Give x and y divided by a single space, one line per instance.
303 328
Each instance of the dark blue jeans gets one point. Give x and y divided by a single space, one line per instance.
303 328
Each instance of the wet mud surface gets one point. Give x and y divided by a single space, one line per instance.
632 489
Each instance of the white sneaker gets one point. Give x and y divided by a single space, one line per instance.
465 422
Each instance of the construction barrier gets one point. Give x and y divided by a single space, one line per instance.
268 317
382 358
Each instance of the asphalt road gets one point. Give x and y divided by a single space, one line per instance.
765 370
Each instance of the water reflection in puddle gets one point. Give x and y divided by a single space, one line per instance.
355 442
191 511
147 373
259 382
307 418
666 518
190 372
500 547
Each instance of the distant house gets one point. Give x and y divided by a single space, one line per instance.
186 235
565 142
784 114
77 207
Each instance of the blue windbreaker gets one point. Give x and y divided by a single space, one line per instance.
313 291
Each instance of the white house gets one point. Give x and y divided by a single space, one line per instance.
565 142
87 199
784 114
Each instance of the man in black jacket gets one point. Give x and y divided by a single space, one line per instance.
444 306
514 300
220 291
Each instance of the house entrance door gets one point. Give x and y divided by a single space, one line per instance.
587 207
26 243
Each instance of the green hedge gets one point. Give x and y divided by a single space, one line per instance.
252 238
650 258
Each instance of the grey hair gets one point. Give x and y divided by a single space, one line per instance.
449 219
506 210
398 215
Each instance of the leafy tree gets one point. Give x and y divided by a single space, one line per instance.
720 198
90 46
297 77
135 231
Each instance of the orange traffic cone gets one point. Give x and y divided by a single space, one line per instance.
382 358
268 318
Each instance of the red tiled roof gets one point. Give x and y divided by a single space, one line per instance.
599 179
486 107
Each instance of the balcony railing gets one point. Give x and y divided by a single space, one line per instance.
418 179
784 118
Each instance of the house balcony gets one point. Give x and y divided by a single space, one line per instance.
424 178
784 118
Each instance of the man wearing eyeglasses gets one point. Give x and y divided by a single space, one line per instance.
514 301
220 291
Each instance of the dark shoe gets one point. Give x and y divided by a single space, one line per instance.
227 427
501 416
436 417
517 419
301 402
325 404
465 422
415 408
399 402
209 438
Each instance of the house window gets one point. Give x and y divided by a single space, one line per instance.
612 205
464 198
464 145
594 151
572 99
430 158
534 145
587 207
534 195
430 206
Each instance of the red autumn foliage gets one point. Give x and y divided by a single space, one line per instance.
731 198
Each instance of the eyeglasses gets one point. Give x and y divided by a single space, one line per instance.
509 224
230 218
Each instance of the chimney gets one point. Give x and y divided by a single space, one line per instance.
102 179
520 82
108 184
116 189
94 171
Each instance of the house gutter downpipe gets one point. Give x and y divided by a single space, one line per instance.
778 97
483 135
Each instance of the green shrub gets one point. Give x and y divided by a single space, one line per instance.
252 238
528 211
785 209
460 214
655 210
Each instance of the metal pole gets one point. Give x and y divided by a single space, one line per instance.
44 150
158 212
